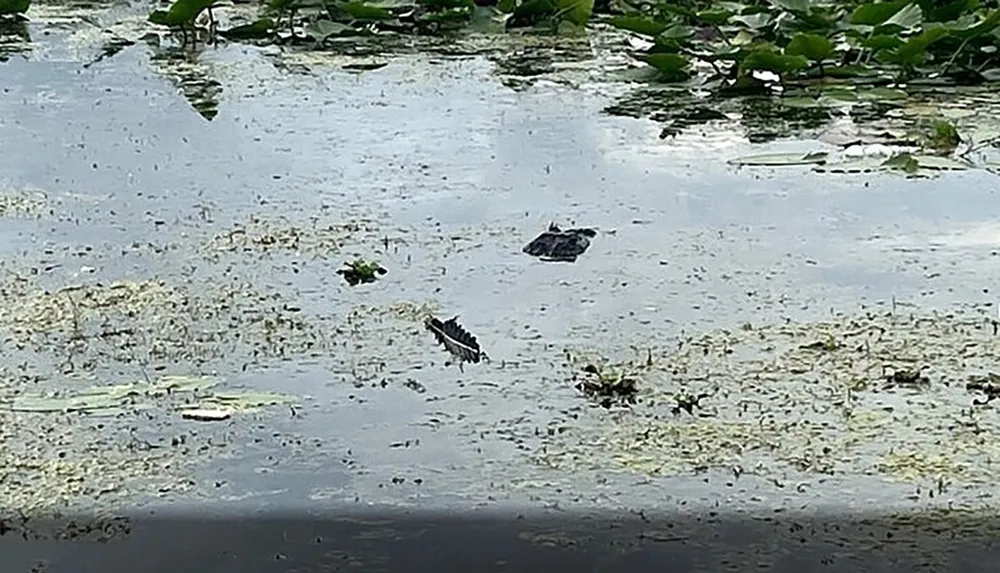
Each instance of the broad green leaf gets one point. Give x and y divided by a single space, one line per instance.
909 16
850 71
769 60
715 17
262 28
913 50
812 46
320 30
753 21
158 17
676 32
184 12
876 13
365 12
945 11
12 7
781 159
742 38
575 11
507 6
882 42
981 28
639 25
668 64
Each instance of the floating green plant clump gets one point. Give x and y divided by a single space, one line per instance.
360 271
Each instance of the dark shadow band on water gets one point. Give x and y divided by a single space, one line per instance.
353 540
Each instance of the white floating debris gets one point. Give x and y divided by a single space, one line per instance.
206 414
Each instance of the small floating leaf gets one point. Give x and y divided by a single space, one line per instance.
861 165
781 159
939 163
812 46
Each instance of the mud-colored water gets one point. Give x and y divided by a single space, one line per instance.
436 168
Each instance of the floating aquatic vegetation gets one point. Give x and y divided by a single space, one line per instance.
94 325
608 386
782 159
23 203
244 401
360 271
558 245
920 154
403 310
262 235
907 377
185 392
850 395
758 46
456 340
111 396
988 384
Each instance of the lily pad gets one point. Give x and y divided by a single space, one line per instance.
860 165
781 159
248 401
939 163
112 396
115 399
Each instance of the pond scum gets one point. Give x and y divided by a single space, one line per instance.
877 394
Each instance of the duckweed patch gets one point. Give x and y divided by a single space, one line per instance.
828 397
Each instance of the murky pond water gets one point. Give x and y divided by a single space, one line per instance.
225 236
